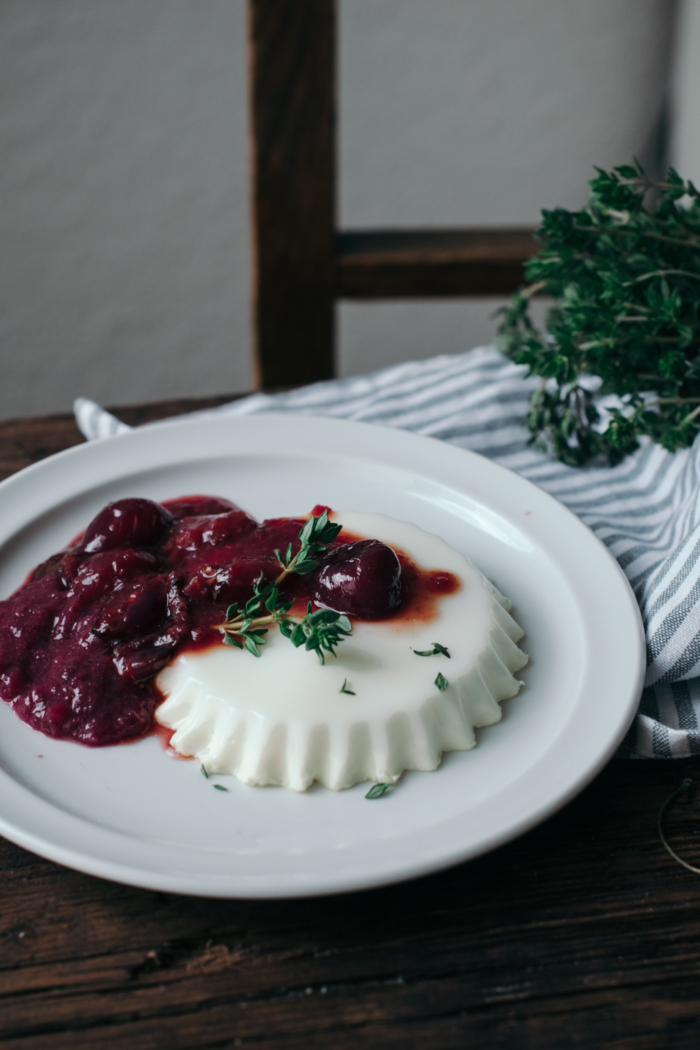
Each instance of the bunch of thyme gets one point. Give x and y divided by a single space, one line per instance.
320 631
625 276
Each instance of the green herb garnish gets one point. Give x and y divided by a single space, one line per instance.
344 688
437 650
625 276
377 790
315 536
203 771
219 787
441 682
320 631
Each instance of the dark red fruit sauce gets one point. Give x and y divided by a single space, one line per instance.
82 641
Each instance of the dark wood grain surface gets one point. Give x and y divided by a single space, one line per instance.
26 441
582 933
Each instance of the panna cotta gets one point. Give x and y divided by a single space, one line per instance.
389 699
293 650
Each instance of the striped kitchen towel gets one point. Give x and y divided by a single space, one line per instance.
646 510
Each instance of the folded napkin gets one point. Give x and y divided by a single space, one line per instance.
646 510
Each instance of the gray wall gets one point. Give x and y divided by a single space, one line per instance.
685 141
123 196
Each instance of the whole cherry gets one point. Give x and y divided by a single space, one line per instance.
194 534
131 522
190 506
134 610
360 579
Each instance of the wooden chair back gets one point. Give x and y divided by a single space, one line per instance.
301 263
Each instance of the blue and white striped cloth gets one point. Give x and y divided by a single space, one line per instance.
646 510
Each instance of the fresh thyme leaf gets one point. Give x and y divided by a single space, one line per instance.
297 637
303 568
441 682
441 649
377 790
625 276
344 688
437 650
219 787
203 772
273 599
305 534
321 616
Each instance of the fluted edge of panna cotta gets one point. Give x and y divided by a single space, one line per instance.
294 749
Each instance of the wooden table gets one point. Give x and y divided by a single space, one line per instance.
582 933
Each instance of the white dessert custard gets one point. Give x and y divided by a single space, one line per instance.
282 719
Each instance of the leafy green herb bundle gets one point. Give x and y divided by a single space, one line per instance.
625 276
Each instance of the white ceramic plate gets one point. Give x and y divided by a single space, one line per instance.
133 814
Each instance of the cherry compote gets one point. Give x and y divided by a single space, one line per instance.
82 641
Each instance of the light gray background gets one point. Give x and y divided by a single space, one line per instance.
124 269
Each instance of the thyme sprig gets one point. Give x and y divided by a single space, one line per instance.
315 536
246 628
320 631
625 276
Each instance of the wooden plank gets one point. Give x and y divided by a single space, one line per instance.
390 264
292 99
26 441
581 933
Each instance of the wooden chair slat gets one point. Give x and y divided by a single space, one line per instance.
385 264
292 101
